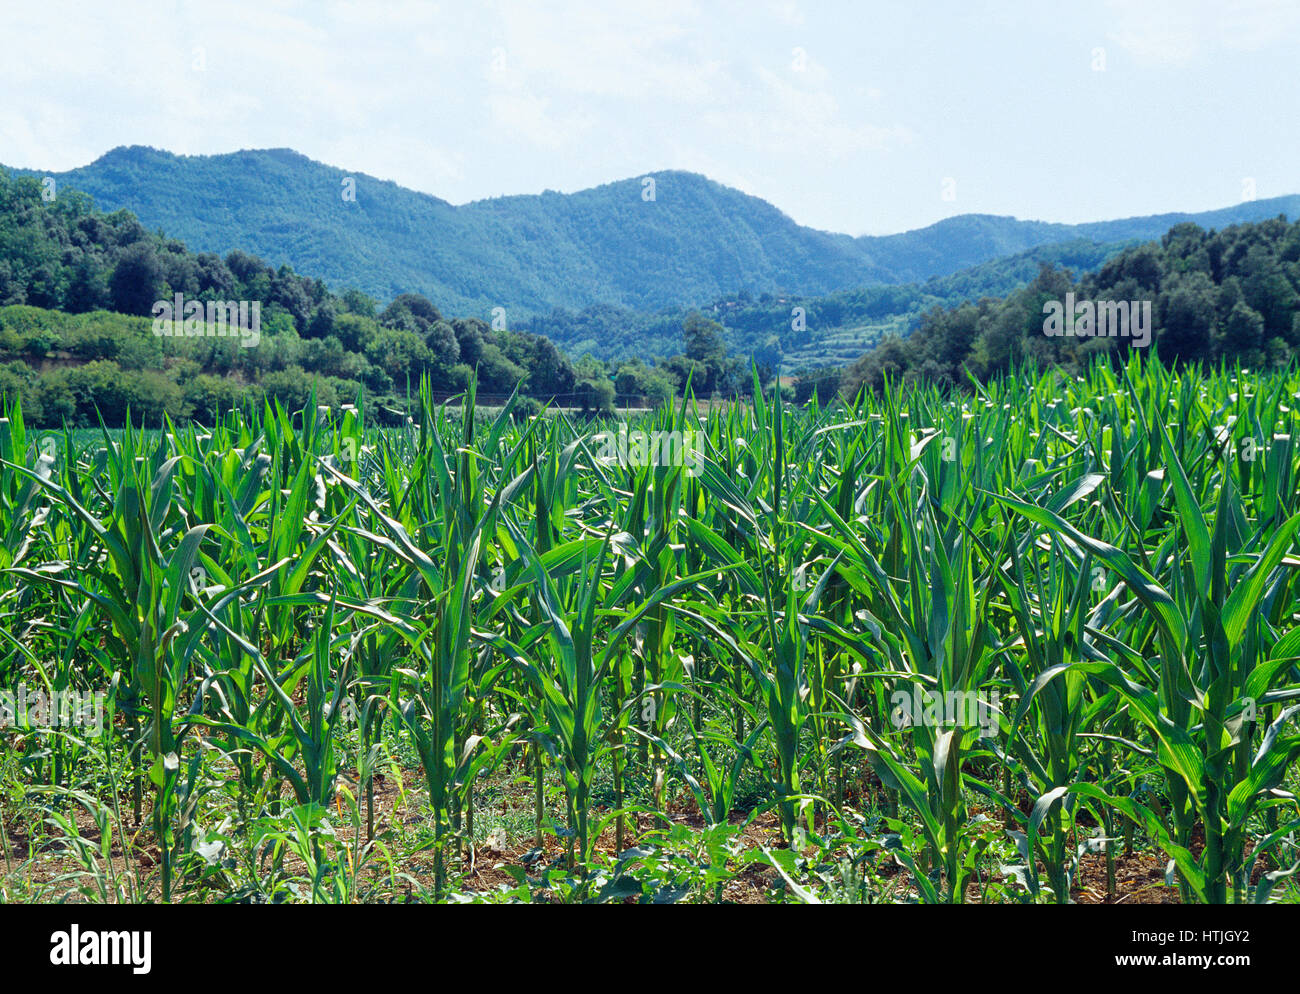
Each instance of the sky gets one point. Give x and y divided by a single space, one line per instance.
864 118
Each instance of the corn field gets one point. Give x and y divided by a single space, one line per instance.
941 647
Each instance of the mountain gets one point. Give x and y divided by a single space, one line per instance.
695 241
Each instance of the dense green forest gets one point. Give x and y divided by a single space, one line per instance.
1231 295
77 336
675 242
78 288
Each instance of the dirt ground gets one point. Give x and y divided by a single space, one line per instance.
1139 876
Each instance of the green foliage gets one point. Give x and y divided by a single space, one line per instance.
695 241
1100 566
1231 295
62 262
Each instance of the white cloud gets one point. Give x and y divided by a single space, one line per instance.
787 12
598 90
627 50
1174 31
805 117
528 116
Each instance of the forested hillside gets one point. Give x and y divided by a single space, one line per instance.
77 289
795 331
680 242
1231 295
77 292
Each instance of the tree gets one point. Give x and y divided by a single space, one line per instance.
137 282
246 268
683 371
420 307
471 335
288 291
1187 321
360 304
595 395
704 345
209 396
179 269
889 358
1243 332
399 318
703 339
215 277
1267 289
354 331
88 289
1276 353
322 322
1142 265
550 372
631 377
496 373
399 353
441 339
293 388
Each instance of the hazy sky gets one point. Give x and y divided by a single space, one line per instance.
847 116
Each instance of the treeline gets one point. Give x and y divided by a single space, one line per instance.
67 367
1230 295
77 292
77 337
